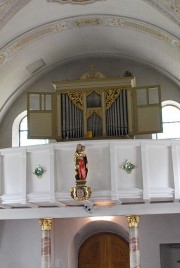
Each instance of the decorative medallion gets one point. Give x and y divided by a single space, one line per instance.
128 166
39 171
80 191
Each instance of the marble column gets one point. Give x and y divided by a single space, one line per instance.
133 222
46 224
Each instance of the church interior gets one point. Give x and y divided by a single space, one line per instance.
89 133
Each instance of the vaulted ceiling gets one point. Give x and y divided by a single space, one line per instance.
38 35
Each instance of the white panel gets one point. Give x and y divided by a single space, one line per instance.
178 160
12 173
64 169
34 158
99 176
128 151
159 166
176 169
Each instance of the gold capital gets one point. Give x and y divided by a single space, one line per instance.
46 224
133 220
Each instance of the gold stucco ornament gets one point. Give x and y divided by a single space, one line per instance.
133 221
46 224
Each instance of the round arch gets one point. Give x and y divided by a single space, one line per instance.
94 227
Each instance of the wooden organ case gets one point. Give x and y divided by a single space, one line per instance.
94 107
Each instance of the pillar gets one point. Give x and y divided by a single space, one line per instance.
133 222
46 224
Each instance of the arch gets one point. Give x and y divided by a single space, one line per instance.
71 23
15 128
116 225
16 132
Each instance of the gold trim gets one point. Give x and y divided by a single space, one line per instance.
46 224
90 112
133 221
90 91
81 191
111 96
77 98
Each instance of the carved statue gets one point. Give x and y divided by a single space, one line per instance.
81 163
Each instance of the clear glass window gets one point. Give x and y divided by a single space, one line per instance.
23 135
171 122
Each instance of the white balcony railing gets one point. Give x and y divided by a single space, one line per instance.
155 179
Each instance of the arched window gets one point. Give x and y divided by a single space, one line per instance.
171 121
20 132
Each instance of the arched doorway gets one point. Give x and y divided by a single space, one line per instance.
104 250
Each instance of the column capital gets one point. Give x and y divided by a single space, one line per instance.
46 224
133 220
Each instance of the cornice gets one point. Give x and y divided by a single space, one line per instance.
86 21
170 8
9 8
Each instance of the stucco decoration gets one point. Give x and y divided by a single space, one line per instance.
2 58
9 8
170 8
174 4
87 21
74 1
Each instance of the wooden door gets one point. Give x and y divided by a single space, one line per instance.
104 250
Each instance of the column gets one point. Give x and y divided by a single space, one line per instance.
133 222
46 224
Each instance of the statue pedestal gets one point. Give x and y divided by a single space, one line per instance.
81 191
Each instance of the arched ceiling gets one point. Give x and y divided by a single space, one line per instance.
56 31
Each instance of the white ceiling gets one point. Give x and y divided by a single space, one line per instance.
143 30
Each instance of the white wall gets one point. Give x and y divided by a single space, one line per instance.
111 67
20 242
20 239
153 231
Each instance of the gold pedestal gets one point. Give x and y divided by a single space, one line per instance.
81 191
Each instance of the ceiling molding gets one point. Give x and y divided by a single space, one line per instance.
9 8
170 8
86 21
73 1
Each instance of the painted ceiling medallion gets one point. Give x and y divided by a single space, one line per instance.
73 1
128 166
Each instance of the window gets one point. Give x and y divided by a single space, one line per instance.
171 121
20 132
